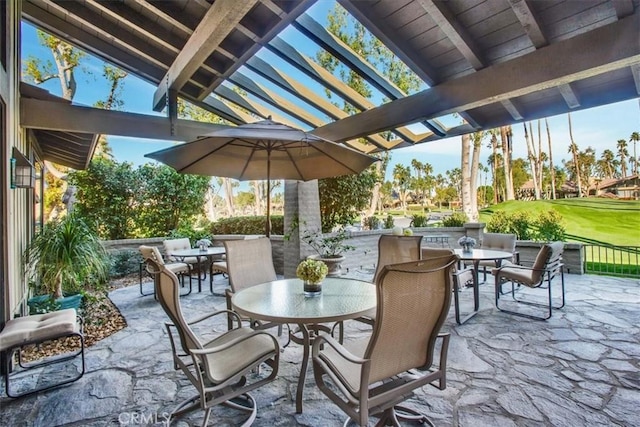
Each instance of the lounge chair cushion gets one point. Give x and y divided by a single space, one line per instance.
38 328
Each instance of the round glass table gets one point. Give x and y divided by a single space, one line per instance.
283 301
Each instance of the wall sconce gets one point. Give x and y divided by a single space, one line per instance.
23 174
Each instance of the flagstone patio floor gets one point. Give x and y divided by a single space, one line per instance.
581 367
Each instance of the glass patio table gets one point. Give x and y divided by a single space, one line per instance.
283 301
475 256
200 255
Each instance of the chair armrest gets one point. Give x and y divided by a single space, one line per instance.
343 352
215 313
233 342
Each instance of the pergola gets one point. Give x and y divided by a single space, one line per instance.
492 62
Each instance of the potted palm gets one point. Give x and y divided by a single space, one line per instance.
62 258
329 247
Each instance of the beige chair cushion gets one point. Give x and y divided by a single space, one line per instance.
228 362
38 328
173 245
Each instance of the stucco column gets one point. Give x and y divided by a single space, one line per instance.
475 230
301 208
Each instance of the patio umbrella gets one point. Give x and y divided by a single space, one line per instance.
264 150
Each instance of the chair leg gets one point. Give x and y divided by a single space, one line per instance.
7 356
548 306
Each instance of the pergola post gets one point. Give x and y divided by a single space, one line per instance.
301 208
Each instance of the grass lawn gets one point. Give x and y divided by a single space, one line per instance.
611 221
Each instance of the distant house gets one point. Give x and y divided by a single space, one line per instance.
624 188
621 188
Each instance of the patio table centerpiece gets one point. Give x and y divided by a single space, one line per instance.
312 272
467 243
203 244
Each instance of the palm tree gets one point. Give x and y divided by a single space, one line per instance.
635 137
607 159
623 154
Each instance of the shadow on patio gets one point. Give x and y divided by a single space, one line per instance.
580 367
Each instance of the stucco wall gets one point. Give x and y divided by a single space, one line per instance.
365 256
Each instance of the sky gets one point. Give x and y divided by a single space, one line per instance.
599 128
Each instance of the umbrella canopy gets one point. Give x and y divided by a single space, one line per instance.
264 150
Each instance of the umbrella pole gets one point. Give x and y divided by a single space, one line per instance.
268 225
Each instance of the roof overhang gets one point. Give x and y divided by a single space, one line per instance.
66 148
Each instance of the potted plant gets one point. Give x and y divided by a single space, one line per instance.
329 248
312 272
62 258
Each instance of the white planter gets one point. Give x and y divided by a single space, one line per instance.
333 264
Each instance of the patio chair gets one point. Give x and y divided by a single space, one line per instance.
547 266
372 376
498 242
249 262
35 330
180 269
461 277
219 369
220 266
172 245
393 250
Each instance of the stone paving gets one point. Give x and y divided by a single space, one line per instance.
579 368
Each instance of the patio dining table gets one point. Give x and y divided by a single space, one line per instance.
283 301
475 256
200 255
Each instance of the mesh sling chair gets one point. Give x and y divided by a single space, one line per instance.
393 250
499 242
218 368
152 253
461 278
372 376
547 266
249 262
172 245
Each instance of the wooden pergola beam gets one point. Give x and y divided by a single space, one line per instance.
221 18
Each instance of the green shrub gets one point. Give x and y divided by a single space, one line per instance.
499 222
388 222
518 223
458 219
419 221
248 225
190 232
122 263
549 227
372 223
521 225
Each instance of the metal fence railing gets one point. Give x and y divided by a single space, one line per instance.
622 261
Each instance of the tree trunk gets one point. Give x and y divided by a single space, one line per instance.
475 164
466 176
228 196
494 166
531 150
375 192
539 164
505 136
551 169
574 152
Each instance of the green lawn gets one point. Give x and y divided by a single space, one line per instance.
612 221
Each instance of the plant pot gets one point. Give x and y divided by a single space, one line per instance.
71 301
333 264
